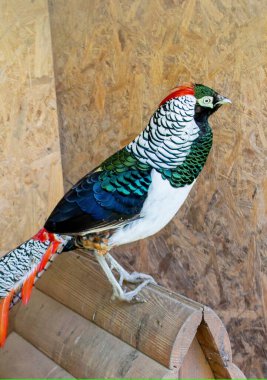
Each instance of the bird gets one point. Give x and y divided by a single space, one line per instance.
132 195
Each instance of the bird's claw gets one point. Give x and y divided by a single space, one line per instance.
131 296
126 297
108 263
136 277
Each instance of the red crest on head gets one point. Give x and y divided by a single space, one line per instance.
186 89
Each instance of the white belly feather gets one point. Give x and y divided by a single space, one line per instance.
162 203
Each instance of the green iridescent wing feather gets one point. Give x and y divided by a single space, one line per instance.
122 172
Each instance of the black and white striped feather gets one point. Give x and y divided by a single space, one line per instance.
16 265
166 141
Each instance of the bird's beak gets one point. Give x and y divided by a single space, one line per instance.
221 100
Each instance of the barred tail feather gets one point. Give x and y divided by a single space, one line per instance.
20 268
18 296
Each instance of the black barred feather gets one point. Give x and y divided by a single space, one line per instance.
15 265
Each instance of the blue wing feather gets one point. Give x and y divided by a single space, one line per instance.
102 198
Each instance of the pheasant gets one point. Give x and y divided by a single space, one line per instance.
130 196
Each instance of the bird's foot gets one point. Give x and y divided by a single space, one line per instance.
108 263
129 296
133 278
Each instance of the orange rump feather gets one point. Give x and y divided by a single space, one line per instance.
26 290
29 282
50 251
4 311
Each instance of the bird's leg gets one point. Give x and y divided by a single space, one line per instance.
118 292
133 278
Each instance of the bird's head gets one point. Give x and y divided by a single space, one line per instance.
208 101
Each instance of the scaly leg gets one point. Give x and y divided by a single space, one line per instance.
118 292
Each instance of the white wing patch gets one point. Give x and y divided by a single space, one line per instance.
167 139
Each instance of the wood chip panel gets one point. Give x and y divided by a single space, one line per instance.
30 163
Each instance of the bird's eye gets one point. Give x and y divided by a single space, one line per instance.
206 101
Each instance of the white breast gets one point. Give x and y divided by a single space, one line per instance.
162 203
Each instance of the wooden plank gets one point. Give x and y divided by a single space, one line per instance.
19 359
195 364
78 345
31 175
162 328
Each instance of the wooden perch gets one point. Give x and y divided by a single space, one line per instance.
31 362
169 336
80 346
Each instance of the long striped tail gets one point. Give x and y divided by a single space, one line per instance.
20 268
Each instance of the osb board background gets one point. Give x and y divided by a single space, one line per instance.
114 61
30 163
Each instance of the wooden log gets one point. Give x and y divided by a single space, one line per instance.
167 336
19 359
195 364
162 328
80 346
216 345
